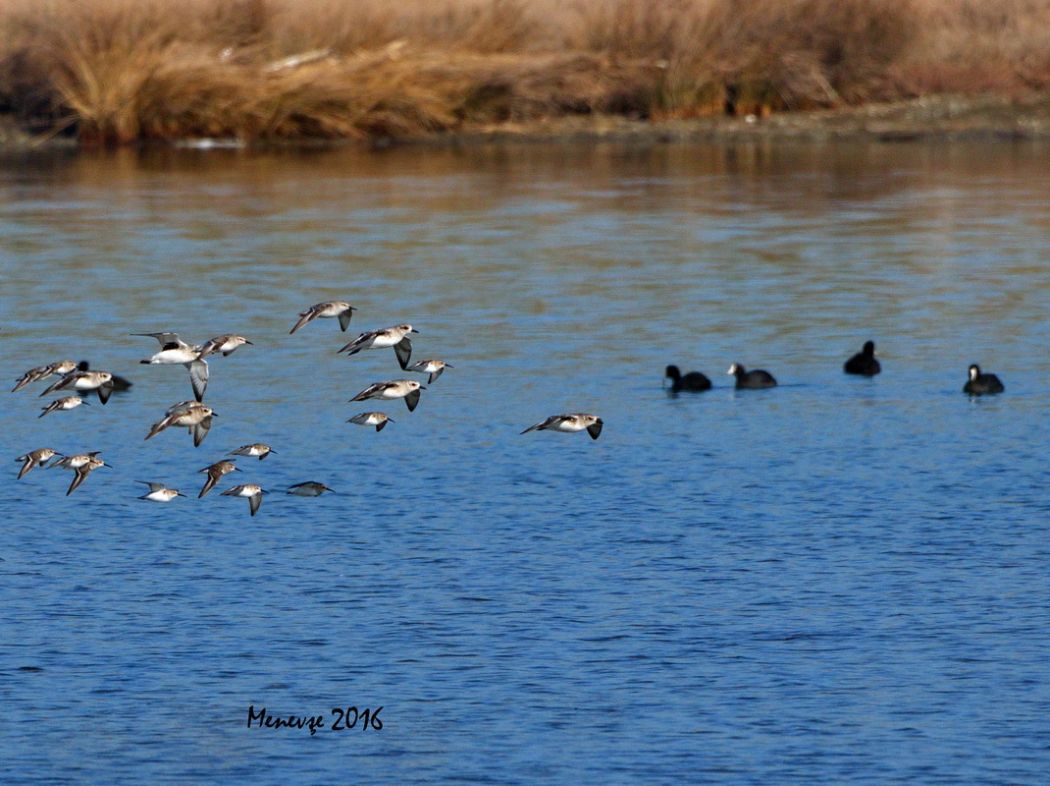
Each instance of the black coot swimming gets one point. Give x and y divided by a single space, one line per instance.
693 382
979 384
864 362
751 379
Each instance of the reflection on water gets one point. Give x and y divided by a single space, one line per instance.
838 580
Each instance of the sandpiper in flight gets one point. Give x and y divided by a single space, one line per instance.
432 367
407 389
226 344
195 417
377 419
62 367
176 352
83 464
99 381
158 492
310 488
331 308
252 491
256 449
62 404
35 458
215 473
396 337
570 424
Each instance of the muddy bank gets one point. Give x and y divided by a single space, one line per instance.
939 117
931 118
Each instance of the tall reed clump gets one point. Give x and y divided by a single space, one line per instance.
125 70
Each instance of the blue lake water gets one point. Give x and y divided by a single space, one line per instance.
838 580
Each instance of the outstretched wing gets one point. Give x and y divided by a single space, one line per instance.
434 375
199 377
254 502
61 384
412 400
344 319
209 484
382 425
370 391
403 350
542 425
160 425
104 391
358 343
595 430
307 316
78 478
165 339
211 345
200 431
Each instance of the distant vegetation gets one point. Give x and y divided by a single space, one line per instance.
116 71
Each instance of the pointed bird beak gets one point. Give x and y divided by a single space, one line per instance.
246 341
414 330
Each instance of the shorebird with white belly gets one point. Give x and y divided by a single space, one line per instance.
176 352
35 458
62 405
327 310
101 382
252 491
408 389
158 492
396 337
377 419
189 414
569 424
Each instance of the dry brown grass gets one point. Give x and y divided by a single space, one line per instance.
124 70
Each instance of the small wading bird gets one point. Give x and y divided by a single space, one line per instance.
256 449
82 464
570 424
310 488
215 473
981 384
863 363
225 344
176 352
62 367
326 310
432 367
35 458
377 419
399 388
159 493
62 405
99 381
693 382
196 418
753 380
396 337
120 384
252 491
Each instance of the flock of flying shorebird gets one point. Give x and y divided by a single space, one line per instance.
196 417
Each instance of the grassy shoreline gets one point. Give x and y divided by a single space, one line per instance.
266 71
